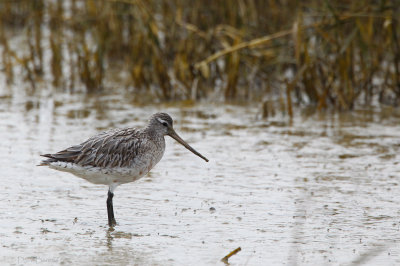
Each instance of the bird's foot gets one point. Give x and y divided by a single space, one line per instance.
112 222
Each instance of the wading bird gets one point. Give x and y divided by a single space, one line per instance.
118 156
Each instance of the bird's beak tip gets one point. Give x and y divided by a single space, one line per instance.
175 136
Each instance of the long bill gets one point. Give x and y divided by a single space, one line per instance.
176 137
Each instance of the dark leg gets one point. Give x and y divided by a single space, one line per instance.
110 210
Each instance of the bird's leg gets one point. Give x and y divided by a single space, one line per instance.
110 209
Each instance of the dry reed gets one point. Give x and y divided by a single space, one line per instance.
330 54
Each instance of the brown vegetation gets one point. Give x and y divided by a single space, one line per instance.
322 53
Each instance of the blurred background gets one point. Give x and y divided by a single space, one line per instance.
282 54
295 103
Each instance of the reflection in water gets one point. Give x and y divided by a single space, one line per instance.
109 238
322 190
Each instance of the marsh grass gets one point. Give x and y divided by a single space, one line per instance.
328 54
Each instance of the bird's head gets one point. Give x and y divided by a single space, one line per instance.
162 123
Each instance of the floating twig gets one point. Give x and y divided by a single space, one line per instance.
233 252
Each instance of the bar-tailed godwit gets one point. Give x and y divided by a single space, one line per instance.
118 156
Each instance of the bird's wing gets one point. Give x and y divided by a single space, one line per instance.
112 148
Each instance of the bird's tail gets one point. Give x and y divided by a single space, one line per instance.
46 162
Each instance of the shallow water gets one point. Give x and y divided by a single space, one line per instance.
321 189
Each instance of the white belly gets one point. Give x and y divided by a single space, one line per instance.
111 176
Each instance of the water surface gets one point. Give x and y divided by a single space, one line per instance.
321 189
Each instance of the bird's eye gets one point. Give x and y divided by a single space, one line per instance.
164 124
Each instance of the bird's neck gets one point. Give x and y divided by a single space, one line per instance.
153 134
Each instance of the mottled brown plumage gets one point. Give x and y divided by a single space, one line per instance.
117 156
